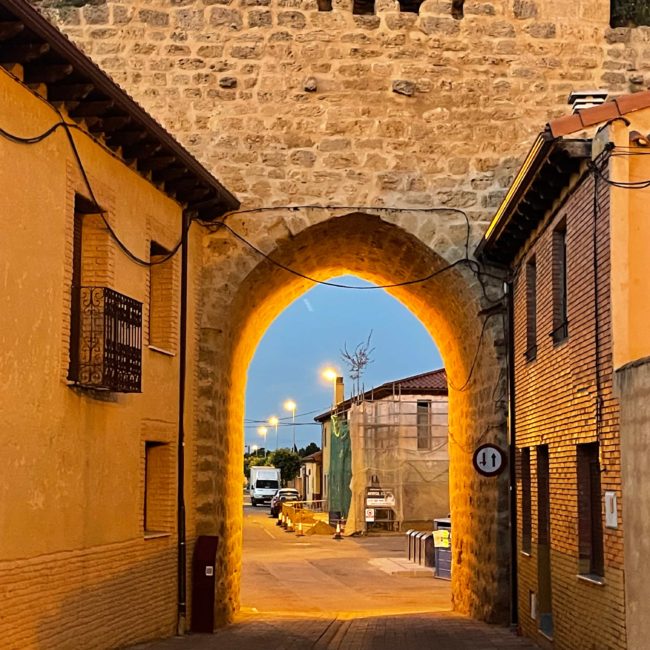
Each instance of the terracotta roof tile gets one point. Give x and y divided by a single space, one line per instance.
435 380
597 114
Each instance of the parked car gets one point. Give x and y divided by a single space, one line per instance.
283 494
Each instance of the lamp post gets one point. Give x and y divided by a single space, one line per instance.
290 405
263 431
273 421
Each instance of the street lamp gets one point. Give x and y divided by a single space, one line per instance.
290 405
273 421
263 431
331 375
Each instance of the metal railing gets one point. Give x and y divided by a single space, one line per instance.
106 340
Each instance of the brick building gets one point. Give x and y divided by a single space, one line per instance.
559 230
91 348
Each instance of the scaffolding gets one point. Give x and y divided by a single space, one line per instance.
399 461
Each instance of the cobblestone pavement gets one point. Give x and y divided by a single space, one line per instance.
314 592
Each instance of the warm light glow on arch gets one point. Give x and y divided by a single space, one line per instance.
448 306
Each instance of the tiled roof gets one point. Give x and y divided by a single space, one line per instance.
433 382
596 114
316 457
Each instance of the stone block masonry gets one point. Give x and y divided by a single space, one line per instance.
259 89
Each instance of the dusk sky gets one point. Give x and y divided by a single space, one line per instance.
309 336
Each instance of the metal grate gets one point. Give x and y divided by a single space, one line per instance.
106 345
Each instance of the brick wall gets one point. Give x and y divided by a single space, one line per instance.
557 406
102 597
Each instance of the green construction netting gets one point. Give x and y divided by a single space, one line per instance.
340 467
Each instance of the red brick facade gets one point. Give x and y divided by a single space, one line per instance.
563 399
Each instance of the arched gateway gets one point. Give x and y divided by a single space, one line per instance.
243 292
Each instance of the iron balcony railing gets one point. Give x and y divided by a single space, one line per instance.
106 340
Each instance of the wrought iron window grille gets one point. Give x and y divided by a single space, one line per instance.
106 340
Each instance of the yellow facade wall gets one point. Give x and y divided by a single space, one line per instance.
73 548
630 228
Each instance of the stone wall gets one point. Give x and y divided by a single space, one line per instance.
289 104
242 296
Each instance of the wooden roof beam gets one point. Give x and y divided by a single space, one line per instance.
50 73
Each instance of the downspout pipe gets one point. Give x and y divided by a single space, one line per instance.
512 454
180 509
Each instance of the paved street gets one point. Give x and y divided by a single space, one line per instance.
316 592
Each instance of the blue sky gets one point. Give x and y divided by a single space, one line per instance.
309 336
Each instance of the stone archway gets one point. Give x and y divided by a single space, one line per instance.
243 293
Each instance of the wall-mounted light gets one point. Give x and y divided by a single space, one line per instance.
637 138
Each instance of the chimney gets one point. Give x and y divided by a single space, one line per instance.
581 99
339 392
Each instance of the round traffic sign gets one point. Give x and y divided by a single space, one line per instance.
489 460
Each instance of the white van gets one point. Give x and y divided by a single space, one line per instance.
264 483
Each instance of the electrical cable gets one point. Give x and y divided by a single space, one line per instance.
67 127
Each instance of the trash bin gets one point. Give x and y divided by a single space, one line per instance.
442 548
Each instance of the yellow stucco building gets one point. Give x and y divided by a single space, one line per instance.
95 216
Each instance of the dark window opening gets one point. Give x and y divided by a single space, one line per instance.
531 310
526 502
410 6
161 299
590 522
424 425
324 5
560 297
363 7
544 582
157 473
457 10
629 13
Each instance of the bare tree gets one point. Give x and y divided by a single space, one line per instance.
357 361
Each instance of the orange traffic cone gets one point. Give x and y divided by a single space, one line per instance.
299 532
289 526
338 535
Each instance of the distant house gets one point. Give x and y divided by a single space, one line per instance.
311 472
387 448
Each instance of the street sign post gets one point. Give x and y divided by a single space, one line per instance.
489 460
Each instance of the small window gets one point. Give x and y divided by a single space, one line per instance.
161 299
590 521
526 502
559 261
363 7
543 496
158 495
324 5
629 13
424 425
531 310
